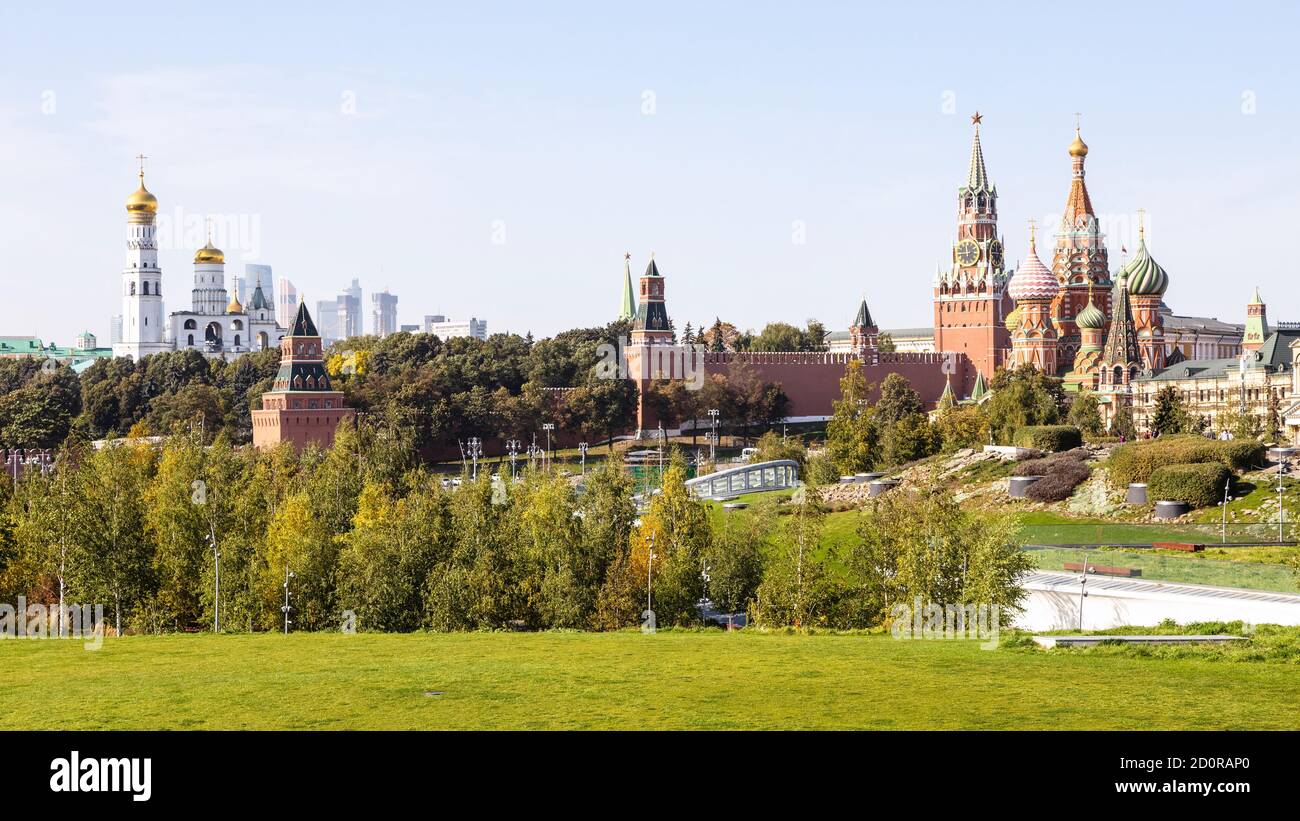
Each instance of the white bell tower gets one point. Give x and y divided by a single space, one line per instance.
143 332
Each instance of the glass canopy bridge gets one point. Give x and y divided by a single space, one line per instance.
779 474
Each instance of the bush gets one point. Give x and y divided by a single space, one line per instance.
1047 437
1199 485
1059 484
1136 461
1047 464
1100 439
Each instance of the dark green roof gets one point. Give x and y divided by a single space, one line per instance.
651 270
863 319
259 299
1275 355
302 324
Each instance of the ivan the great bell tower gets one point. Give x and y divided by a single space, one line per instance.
970 299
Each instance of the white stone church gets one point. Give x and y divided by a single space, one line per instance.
216 325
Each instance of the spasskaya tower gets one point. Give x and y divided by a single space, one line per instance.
970 299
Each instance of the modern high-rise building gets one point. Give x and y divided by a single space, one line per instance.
444 328
327 314
384 313
349 311
286 302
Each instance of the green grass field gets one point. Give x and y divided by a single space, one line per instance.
672 680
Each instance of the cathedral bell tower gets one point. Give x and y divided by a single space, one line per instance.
142 304
970 299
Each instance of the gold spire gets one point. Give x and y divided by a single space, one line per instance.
1032 238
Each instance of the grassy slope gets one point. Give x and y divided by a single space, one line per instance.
622 680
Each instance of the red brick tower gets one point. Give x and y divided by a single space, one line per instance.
864 336
302 407
970 300
651 355
1080 260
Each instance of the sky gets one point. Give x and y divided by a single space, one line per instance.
781 160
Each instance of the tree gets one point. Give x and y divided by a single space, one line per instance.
678 527
797 588
779 336
885 344
962 427
1024 396
898 399
852 436
1121 424
736 556
920 543
1169 415
1085 412
908 439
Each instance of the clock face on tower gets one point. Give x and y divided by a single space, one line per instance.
968 253
995 253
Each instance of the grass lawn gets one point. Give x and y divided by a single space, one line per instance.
1250 568
673 680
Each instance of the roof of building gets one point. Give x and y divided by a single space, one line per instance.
1201 324
651 270
1145 276
1275 355
302 324
1033 279
863 319
978 177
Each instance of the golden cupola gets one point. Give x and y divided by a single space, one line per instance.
234 307
142 205
209 255
1078 148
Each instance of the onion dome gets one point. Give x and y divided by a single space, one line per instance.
1090 318
1078 148
209 254
142 202
1012 322
1033 279
1144 274
234 307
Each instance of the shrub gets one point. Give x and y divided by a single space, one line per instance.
1136 461
1047 464
1199 485
1047 437
1059 484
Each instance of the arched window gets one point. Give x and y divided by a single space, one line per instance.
191 325
236 340
132 289
191 340
144 288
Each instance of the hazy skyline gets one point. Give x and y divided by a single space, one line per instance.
498 165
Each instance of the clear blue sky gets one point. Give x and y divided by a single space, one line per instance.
470 119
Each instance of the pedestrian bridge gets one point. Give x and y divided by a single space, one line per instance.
779 474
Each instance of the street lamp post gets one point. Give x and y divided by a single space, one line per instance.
649 574
582 451
475 451
216 584
661 453
713 448
288 574
548 427
512 447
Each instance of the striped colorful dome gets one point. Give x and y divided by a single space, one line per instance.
1145 276
1090 318
1032 279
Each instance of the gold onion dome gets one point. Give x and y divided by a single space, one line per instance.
142 202
1012 321
209 254
234 307
1078 148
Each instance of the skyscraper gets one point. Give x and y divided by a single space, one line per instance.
286 302
384 313
349 311
327 312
